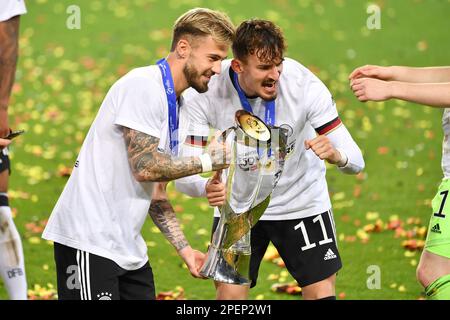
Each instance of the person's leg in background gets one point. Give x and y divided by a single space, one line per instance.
12 265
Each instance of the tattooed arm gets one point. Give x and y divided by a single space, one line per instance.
148 164
164 218
9 32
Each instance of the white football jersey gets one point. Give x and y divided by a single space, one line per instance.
11 8
103 207
303 106
446 144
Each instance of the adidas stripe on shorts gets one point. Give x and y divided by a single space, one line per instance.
85 276
438 237
307 247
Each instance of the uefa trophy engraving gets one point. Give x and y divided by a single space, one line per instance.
257 159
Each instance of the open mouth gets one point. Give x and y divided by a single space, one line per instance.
269 87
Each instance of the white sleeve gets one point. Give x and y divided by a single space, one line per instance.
140 105
324 118
11 8
342 140
197 108
320 104
193 186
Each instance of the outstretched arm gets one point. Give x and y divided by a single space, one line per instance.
432 94
421 75
403 74
148 164
9 33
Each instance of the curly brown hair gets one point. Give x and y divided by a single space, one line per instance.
260 37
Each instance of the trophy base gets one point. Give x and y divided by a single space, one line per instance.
226 266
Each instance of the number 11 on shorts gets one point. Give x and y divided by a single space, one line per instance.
308 244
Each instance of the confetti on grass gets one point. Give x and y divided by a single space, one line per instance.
176 294
289 288
43 293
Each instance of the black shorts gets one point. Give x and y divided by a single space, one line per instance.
309 252
85 276
4 160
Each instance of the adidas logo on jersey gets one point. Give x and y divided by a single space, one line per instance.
436 228
329 255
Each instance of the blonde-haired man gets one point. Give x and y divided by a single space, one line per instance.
132 143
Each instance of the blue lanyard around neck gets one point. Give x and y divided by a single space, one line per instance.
269 115
172 103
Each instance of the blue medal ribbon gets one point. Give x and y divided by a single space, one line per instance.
269 115
172 103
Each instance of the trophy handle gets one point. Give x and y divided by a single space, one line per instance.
224 135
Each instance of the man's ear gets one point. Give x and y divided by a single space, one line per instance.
183 48
237 65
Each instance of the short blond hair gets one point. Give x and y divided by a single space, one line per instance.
201 22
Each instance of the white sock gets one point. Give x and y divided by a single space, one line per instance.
12 268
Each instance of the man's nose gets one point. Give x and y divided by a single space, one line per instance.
275 73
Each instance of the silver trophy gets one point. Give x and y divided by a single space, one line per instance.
257 160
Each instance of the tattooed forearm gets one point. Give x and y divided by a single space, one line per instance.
8 58
164 218
148 164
